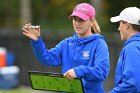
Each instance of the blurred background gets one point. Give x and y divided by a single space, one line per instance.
52 16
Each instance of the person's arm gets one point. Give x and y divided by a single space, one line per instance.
101 68
130 78
45 56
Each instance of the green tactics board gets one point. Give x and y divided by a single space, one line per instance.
54 82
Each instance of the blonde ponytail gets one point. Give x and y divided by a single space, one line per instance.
95 28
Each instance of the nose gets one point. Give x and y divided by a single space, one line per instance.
119 28
77 22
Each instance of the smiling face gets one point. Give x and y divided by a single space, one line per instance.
82 27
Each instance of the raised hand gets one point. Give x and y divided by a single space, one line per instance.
32 33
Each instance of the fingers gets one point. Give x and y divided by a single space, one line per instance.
27 28
26 34
31 32
70 74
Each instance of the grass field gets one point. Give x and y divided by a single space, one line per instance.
21 89
24 89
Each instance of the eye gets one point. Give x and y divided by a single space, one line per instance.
78 19
74 18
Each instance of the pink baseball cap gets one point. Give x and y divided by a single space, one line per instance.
84 11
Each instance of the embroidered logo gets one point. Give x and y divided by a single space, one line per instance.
70 44
80 7
85 54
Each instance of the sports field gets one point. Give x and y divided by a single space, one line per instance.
23 89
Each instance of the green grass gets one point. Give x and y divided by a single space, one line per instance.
20 90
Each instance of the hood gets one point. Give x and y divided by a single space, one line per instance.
135 37
86 39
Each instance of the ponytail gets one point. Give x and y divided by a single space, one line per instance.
95 28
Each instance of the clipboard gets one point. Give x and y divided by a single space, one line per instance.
54 82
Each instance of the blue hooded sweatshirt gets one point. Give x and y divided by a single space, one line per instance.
127 78
88 56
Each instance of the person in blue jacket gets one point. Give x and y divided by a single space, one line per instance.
127 78
84 55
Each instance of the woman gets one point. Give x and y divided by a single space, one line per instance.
127 77
85 55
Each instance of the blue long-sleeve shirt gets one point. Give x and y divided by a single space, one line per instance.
88 56
127 78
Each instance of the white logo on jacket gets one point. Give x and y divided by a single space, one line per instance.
70 44
85 54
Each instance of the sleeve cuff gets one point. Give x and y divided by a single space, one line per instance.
36 42
79 72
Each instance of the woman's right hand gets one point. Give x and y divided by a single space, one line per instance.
30 32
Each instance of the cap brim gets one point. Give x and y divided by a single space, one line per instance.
115 19
81 15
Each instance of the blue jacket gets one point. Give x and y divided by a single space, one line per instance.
88 56
127 78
